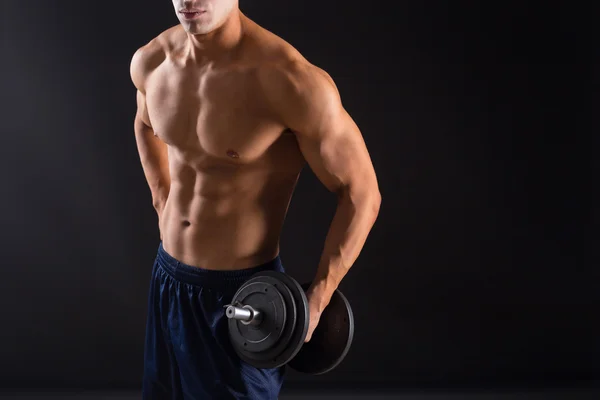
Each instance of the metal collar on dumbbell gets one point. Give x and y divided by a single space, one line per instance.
245 314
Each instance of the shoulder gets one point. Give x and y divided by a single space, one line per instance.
298 79
299 91
289 80
283 67
302 96
148 57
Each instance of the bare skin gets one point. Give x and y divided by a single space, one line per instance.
225 123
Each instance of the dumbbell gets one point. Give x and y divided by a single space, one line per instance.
268 322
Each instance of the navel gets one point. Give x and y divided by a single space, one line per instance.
232 154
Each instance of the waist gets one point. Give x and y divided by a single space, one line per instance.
222 244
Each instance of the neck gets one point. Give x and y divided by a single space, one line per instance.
219 42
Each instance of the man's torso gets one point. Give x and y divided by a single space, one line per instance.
233 166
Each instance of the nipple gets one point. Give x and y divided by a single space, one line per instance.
232 154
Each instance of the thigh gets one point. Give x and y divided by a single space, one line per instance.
207 361
161 372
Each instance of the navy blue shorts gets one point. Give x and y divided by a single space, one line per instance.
188 354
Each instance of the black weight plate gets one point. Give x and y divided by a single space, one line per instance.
271 357
283 332
263 297
301 327
278 355
331 339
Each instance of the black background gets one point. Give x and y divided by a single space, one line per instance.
474 274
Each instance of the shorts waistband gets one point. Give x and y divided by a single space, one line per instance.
207 277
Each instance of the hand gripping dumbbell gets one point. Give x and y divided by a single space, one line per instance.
268 322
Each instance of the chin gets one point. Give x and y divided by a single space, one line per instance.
197 29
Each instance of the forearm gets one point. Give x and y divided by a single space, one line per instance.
355 215
155 164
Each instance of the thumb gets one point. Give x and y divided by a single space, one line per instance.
308 336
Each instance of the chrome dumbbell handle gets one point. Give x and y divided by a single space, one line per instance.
245 314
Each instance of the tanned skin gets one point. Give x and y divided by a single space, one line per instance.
226 120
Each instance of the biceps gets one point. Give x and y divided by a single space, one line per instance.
338 155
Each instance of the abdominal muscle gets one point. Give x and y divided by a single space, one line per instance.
225 218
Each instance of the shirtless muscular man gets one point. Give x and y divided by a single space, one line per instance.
227 115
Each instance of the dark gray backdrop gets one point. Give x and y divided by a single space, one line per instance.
474 273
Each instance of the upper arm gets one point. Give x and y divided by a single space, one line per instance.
309 104
142 110
144 60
